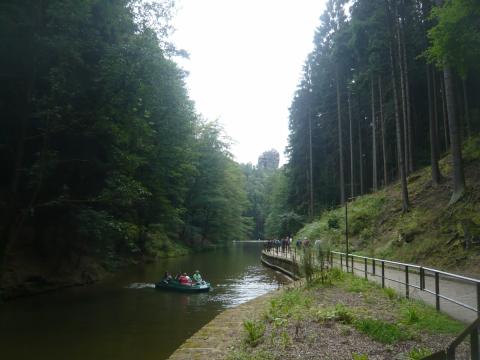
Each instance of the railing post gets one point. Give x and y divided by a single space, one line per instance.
437 291
478 299
474 346
373 267
353 272
422 278
341 262
383 274
407 290
366 269
450 353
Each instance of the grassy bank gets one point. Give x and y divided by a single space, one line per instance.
344 318
432 233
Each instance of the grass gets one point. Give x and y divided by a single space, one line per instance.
422 317
382 331
339 313
244 354
294 303
378 313
356 356
418 353
254 331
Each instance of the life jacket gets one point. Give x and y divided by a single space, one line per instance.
183 279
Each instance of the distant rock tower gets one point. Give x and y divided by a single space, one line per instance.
269 160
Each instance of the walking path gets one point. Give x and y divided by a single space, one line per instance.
459 291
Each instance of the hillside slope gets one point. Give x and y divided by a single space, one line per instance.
432 233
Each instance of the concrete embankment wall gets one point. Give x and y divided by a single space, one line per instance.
279 263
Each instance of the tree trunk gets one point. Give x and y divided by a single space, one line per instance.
465 107
433 140
352 178
435 112
398 130
455 137
402 93
360 155
407 96
444 111
374 139
340 140
382 131
310 158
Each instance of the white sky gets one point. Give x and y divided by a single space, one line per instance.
246 58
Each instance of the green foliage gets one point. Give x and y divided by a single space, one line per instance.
293 303
254 332
243 354
359 356
307 262
382 331
391 293
98 119
455 39
418 353
339 313
411 315
358 285
425 318
471 149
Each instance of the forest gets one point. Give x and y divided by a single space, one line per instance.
390 87
106 160
104 156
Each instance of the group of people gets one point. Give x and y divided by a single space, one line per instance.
184 279
285 244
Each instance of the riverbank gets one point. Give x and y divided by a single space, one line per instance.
343 318
28 273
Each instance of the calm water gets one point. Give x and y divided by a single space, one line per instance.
125 317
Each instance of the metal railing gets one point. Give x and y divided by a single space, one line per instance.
376 268
407 270
449 352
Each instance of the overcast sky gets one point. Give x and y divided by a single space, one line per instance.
246 58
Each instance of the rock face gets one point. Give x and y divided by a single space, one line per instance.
269 160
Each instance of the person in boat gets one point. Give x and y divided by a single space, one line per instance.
167 277
197 277
184 279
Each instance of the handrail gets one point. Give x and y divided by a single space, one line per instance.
473 329
407 268
449 352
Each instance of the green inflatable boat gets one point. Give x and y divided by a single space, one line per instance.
176 286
